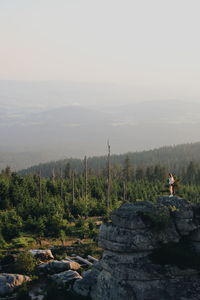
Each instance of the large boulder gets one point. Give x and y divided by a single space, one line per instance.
144 256
56 266
182 213
42 254
65 277
83 286
144 229
8 282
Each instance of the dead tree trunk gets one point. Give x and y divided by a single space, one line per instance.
73 187
124 192
61 184
108 177
86 177
40 187
53 176
82 187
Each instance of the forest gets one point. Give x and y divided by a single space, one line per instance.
45 206
64 211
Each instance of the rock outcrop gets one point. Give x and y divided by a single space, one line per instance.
151 252
65 277
56 266
42 254
8 282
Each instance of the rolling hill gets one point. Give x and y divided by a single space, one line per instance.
175 158
63 119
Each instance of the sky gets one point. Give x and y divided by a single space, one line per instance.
152 45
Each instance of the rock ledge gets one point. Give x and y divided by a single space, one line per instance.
147 248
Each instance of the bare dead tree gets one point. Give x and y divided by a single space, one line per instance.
108 176
73 187
40 185
86 177
53 176
82 187
124 191
61 184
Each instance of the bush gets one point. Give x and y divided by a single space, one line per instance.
91 224
80 223
22 242
25 263
69 231
83 229
93 234
89 249
62 236
54 225
10 224
159 220
3 243
81 208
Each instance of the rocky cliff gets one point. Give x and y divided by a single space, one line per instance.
152 251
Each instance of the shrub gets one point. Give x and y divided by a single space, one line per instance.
54 224
83 231
157 220
79 223
10 224
93 234
25 263
91 224
22 242
3 243
81 207
62 236
69 231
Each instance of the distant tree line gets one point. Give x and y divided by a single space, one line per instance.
173 158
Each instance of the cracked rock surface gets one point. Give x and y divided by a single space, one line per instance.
151 251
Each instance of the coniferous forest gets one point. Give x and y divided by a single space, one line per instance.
45 206
61 205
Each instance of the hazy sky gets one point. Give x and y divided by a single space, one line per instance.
143 43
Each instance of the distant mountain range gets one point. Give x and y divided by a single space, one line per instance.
174 158
76 130
21 160
76 123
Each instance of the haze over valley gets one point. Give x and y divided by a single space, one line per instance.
76 126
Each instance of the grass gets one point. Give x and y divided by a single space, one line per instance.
84 229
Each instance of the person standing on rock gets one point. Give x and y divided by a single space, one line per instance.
171 184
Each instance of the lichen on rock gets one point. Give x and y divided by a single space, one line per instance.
9 282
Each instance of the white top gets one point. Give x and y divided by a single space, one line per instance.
171 180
